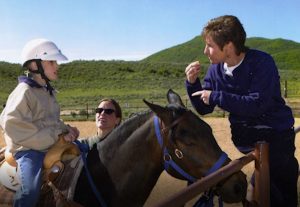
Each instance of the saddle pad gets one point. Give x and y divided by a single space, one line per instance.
66 183
9 177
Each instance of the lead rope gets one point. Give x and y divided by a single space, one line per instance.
207 199
84 149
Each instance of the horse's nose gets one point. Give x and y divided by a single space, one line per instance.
236 194
234 189
239 190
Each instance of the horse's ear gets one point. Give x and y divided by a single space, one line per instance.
162 112
174 98
155 108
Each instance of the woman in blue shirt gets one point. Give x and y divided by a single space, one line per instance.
245 82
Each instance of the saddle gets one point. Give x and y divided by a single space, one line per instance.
53 164
60 151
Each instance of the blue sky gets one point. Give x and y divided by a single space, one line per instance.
133 29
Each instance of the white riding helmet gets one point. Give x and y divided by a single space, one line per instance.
42 49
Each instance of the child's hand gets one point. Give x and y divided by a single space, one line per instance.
75 131
72 135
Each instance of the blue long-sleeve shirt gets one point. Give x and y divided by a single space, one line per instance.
252 95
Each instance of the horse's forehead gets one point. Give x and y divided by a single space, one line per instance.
192 122
176 108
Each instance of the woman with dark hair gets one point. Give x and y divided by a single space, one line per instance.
108 115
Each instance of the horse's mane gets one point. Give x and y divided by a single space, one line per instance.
131 124
125 129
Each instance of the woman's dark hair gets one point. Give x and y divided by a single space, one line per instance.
118 111
225 29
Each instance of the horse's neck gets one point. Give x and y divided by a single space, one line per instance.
133 169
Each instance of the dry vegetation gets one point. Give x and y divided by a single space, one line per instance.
167 185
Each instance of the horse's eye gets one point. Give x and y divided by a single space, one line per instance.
183 135
183 132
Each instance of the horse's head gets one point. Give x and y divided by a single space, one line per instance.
190 144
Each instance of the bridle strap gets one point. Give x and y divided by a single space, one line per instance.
176 167
174 123
218 164
157 131
169 161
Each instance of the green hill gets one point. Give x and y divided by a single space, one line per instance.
82 82
86 82
182 53
285 52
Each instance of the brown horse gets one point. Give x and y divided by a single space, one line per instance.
127 164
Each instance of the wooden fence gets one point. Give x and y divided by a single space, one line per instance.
87 112
262 180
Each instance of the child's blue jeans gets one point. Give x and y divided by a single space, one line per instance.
30 164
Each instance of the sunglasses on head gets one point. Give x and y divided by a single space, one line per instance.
106 111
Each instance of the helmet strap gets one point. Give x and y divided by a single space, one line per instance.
40 70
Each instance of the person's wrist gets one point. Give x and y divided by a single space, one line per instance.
191 81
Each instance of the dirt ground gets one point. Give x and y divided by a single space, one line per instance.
166 185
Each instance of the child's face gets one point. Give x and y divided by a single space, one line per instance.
50 69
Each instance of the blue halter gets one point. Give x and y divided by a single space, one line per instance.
169 162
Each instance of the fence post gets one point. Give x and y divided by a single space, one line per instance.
87 111
285 89
262 174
